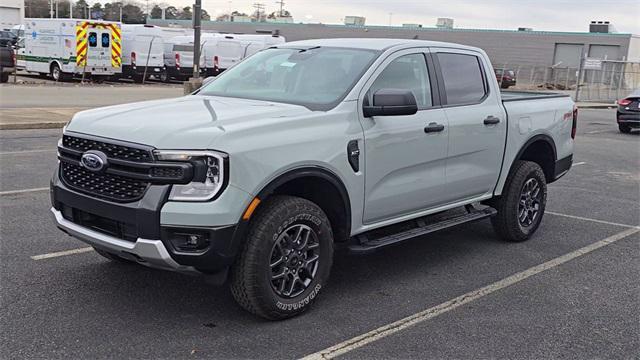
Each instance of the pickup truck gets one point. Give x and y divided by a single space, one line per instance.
307 147
7 62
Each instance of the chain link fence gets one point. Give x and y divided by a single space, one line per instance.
614 80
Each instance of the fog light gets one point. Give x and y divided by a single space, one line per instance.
189 241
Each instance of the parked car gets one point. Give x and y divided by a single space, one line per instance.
505 77
7 38
304 147
628 114
7 63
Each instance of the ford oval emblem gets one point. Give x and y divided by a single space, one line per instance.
94 160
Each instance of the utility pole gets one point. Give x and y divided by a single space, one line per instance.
51 9
259 7
56 9
70 9
121 14
281 2
197 15
390 18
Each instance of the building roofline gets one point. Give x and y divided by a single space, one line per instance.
416 29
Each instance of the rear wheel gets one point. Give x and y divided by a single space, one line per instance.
286 258
4 77
624 128
164 76
138 78
57 74
522 203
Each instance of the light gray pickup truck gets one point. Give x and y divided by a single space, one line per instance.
306 147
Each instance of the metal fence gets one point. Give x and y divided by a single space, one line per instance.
615 79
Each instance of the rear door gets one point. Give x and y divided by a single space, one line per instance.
405 164
477 123
99 48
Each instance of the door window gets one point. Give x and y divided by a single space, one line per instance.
105 40
463 80
93 39
408 72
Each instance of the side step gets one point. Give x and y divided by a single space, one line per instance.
420 227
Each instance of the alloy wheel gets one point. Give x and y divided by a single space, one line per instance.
294 260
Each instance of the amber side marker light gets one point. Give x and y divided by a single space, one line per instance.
251 208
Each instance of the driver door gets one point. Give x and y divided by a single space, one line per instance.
405 158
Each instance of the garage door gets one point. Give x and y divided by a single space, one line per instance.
9 17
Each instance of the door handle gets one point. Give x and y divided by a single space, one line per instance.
433 127
491 120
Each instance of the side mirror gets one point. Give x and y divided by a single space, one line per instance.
391 102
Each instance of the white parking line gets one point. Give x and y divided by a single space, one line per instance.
62 253
592 220
25 152
12 192
579 163
430 313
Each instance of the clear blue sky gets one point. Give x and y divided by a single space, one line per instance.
556 15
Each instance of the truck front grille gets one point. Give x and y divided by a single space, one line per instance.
114 151
108 186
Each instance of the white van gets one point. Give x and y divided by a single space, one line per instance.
64 47
178 58
227 50
142 51
254 43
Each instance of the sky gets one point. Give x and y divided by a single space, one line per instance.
551 15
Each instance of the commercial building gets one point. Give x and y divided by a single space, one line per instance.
11 13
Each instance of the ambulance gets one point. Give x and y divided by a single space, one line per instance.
63 48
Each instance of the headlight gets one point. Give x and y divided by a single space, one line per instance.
209 174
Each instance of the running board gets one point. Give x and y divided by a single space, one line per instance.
365 244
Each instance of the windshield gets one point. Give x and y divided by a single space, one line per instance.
317 78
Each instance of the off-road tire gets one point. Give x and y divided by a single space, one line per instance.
506 222
112 257
625 129
251 273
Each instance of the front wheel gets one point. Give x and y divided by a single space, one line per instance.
522 203
286 258
625 129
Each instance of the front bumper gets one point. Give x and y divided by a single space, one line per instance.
627 117
134 230
128 70
147 252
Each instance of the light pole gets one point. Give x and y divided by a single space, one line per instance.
197 8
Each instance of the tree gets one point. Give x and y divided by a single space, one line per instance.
81 10
132 14
156 12
185 14
205 15
36 8
276 14
171 13
96 11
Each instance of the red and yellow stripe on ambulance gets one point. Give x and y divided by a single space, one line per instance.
82 42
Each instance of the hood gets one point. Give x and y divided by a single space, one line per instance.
190 122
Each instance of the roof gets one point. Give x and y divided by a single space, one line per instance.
372 43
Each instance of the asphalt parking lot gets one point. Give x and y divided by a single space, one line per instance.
570 292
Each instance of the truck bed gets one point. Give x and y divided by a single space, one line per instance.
528 95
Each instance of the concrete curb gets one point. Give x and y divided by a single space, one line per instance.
597 106
27 126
